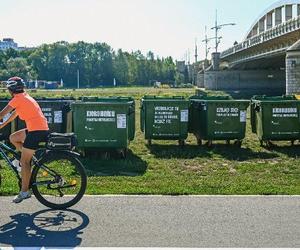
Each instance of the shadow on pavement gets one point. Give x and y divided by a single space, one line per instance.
46 228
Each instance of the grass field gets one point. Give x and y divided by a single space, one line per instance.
165 168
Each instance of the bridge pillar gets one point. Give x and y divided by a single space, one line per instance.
298 9
293 69
278 16
215 59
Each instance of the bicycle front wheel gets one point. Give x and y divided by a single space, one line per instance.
59 180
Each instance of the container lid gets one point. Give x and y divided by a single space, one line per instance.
274 98
153 97
211 98
105 99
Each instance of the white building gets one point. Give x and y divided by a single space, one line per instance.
8 43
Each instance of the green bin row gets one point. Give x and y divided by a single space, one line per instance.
109 123
207 117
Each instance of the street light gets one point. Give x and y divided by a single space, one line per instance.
206 41
217 27
68 61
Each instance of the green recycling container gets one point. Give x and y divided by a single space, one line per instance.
7 130
164 118
256 98
57 112
218 118
119 99
275 118
104 123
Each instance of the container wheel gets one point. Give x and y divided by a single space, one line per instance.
269 144
106 155
149 142
261 143
123 153
199 142
209 143
239 143
181 143
227 142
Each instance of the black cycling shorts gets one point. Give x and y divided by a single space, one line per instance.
34 138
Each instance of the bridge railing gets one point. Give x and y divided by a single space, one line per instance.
279 30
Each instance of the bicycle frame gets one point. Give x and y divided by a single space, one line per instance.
3 149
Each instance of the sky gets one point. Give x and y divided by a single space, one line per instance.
166 27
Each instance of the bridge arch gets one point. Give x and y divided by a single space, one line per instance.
279 12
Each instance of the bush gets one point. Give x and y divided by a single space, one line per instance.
185 85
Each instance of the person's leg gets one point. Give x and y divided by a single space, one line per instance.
26 168
18 138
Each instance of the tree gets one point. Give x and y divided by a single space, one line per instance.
121 67
97 63
19 67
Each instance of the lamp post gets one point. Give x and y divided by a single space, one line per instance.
217 27
78 73
78 79
206 41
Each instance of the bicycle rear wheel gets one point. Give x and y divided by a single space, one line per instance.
59 180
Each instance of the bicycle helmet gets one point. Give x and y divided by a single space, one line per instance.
15 84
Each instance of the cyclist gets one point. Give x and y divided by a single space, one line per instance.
26 140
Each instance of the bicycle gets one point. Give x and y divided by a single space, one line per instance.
58 178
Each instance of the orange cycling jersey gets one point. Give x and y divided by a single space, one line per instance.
29 111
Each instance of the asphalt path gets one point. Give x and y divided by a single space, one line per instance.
155 221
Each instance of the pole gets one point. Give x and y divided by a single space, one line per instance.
78 80
216 25
206 43
217 28
196 51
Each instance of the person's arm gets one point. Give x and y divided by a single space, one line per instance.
8 109
4 112
9 120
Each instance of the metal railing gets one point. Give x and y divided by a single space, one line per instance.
279 30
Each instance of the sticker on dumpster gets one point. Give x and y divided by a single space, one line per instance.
58 117
165 114
184 116
100 116
285 112
243 116
121 121
48 114
227 112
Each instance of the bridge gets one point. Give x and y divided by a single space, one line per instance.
267 58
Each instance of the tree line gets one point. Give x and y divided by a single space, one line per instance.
97 63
